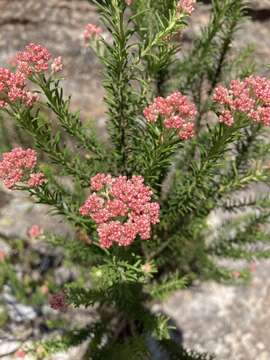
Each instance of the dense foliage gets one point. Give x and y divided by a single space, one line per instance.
187 133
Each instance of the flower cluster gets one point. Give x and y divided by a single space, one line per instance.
91 31
58 301
12 89
186 6
122 209
18 165
34 59
250 96
128 2
177 111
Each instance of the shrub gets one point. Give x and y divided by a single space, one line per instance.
185 134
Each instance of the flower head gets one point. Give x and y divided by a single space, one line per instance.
177 112
18 166
13 89
250 97
91 31
36 180
147 268
121 208
34 58
186 6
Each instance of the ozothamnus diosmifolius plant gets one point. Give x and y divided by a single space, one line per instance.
186 133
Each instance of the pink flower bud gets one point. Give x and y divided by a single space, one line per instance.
34 232
20 354
186 6
2 255
91 31
57 65
36 180
236 274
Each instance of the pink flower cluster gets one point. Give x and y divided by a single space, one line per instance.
12 88
58 301
91 31
250 96
128 2
186 6
122 209
33 59
177 111
17 166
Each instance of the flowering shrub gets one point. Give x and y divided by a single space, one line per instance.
167 166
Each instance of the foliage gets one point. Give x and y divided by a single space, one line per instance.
190 180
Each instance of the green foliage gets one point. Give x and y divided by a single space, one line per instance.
246 236
3 315
208 56
169 284
134 348
190 180
69 120
4 137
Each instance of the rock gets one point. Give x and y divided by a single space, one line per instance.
4 198
73 353
231 322
21 212
259 4
3 316
4 247
7 347
63 275
17 312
